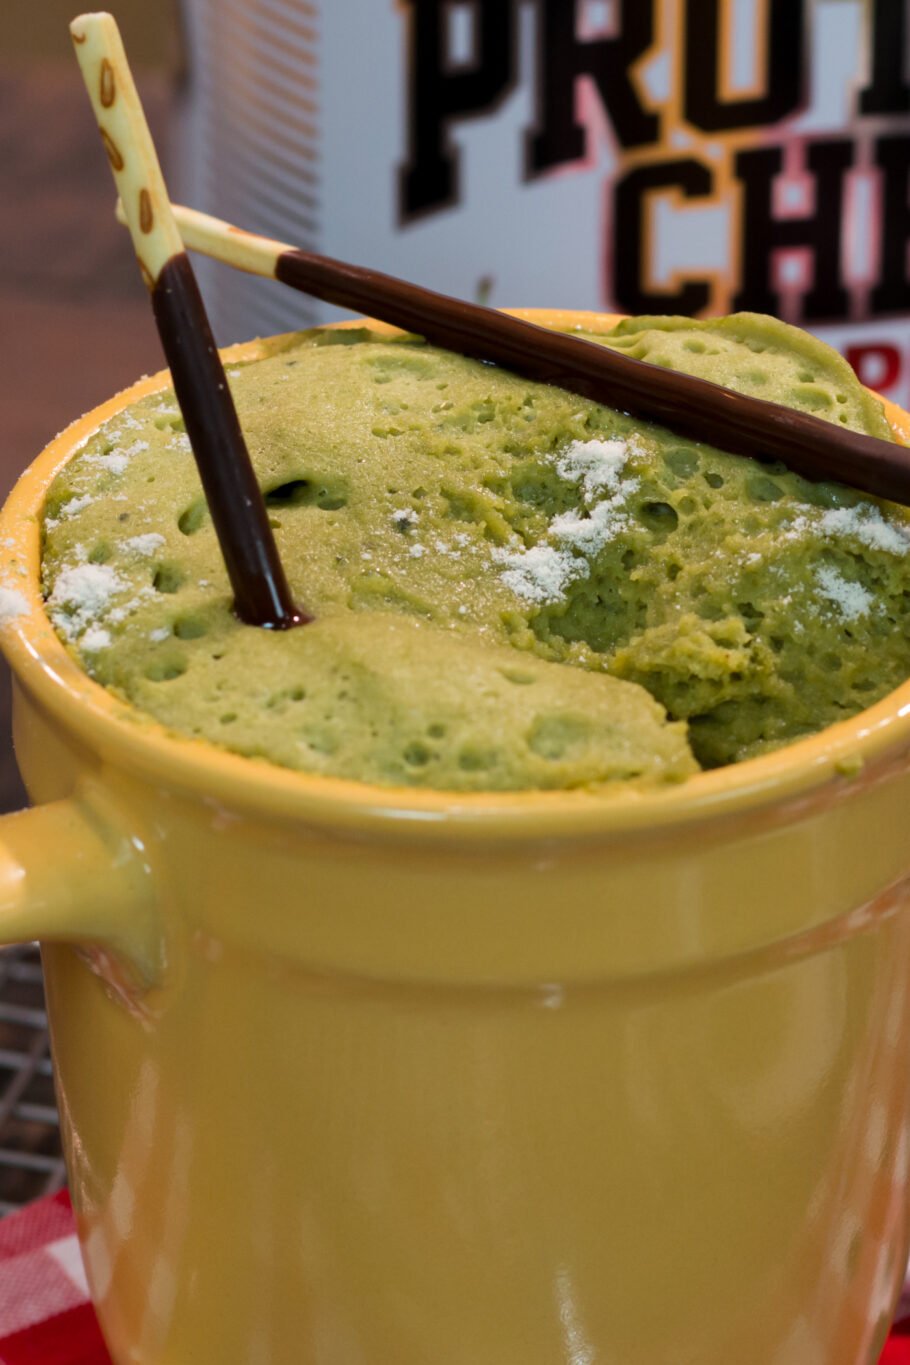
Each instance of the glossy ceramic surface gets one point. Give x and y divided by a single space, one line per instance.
355 1076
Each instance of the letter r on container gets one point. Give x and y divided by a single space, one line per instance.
877 366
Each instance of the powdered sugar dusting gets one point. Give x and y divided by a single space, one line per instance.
543 572
81 594
71 508
75 505
867 524
591 533
145 544
95 639
594 465
118 614
851 599
115 462
12 604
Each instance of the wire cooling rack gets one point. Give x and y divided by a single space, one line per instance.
31 1164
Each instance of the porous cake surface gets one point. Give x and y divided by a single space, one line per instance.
513 587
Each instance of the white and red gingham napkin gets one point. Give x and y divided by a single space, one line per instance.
45 1314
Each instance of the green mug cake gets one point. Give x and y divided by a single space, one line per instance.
513 587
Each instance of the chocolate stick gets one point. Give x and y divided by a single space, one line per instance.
261 593
694 407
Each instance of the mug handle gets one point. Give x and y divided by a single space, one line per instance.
69 874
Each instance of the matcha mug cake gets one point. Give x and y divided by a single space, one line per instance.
508 965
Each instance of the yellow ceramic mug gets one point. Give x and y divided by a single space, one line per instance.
359 1076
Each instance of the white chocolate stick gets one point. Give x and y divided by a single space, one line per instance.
127 141
214 237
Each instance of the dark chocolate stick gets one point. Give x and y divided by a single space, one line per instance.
694 407
262 596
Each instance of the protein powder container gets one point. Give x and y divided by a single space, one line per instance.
647 156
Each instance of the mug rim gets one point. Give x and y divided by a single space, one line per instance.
229 781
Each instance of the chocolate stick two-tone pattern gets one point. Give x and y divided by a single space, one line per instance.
693 407
261 593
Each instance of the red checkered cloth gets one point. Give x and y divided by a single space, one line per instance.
45 1314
